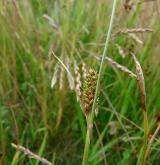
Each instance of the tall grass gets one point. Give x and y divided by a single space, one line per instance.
30 110
90 119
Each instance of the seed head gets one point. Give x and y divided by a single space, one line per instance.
77 82
88 92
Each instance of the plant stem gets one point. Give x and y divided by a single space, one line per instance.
87 142
141 84
145 133
150 143
141 159
103 59
101 144
90 118
145 127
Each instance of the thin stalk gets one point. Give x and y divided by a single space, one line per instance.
145 127
61 108
141 84
142 158
88 140
145 134
31 154
150 143
101 144
90 118
103 59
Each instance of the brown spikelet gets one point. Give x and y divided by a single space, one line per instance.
116 65
120 67
85 86
137 30
140 80
136 38
89 87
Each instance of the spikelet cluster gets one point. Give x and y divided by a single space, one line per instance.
84 70
85 86
78 83
89 86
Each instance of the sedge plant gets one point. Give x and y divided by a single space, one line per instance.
90 118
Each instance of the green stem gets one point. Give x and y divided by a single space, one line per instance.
150 143
90 118
141 159
102 61
87 142
145 135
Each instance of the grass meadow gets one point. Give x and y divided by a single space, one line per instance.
52 56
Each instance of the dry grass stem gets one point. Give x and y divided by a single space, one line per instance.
67 70
120 121
120 67
31 154
137 30
150 143
116 65
101 144
55 75
120 50
62 89
141 84
135 38
124 118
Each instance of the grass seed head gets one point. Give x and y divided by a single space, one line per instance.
78 83
89 90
